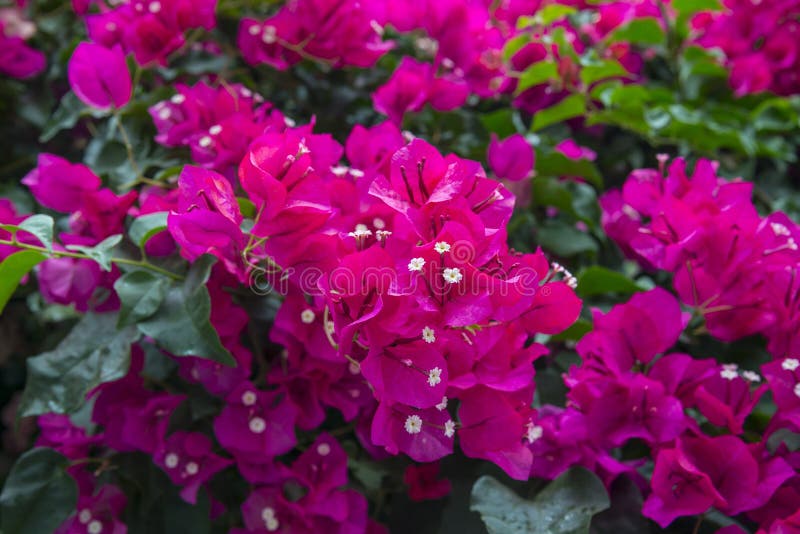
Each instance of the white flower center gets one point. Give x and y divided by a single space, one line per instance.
413 424
249 398
416 264
205 141
428 335
797 389
270 35
442 405
85 516
323 449
534 432
178 99
255 29
95 527
790 364
434 377
270 521
449 428
192 468
171 460
257 425
441 247
779 229
728 373
452 275
154 7
378 223
215 130
308 316
164 113
751 376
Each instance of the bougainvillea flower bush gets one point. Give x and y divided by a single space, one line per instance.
453 266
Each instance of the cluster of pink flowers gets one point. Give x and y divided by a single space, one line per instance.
151 29
217 123
760 41
17 59
738 270
735 267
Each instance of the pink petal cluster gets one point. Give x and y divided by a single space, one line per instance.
737 268
339 32
151 29
759 41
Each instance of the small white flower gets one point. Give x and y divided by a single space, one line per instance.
215 130
255 29
257 425
249 398
154 7
452 275
171 460
270 521
289 122
378 223
272 524
330 328
308 316
441 247
339 171
361 231
797 389
728 373
270 35
85 516
442 405
164 113
205 141
751 376
416 264
247 93
449 428
434 377
95 527
267 513
323 449
192 468
178 99
356 173
413 424
534 432
790 364
428 335
779 229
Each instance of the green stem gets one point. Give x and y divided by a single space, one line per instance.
144 264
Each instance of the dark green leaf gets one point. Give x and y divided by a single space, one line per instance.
783 436
146 226
643 31
101 252
597 280
557 164
38 494
565 506
608 68
94 352
565 240
65 116
536 74
181 324
40 226
569 108
140 294
575 332
13 269
246 207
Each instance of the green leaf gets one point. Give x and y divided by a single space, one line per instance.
514 45
575 332
94 352
572 106
38 494
246 207
41 226
644 31
597 280
546 16
564 240
565 506
608 68
66 116
689 7
146 226
537 73
13 269
101 252
557 164
181 324
140 294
